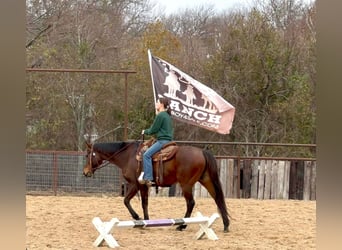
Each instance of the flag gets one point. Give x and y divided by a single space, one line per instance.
190 101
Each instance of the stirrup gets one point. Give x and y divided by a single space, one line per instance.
149 183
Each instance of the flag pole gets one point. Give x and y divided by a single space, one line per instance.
150 62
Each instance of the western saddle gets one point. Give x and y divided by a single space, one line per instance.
166 153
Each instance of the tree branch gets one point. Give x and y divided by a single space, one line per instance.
37 36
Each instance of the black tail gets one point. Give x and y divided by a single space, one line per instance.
212 168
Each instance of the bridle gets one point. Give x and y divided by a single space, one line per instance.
91 154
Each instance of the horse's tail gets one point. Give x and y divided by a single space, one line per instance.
212 169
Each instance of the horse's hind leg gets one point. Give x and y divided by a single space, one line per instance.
190 204
131 192
217 195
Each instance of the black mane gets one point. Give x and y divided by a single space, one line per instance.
110 147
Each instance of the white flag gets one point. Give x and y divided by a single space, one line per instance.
190 101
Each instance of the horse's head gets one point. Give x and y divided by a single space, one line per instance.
93 161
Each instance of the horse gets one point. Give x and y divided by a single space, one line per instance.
188 165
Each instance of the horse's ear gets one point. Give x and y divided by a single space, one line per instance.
88 145
87 141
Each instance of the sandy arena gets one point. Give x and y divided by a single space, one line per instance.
65 222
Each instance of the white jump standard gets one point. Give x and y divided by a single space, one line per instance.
106 228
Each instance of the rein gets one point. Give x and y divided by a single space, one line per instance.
92 150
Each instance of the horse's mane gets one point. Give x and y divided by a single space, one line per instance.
110 147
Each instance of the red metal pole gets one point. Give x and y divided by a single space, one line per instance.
126 107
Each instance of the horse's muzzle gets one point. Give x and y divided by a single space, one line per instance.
89 174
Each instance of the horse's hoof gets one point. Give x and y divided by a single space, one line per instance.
181 227
226 230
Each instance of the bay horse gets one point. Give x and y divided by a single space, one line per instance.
188 165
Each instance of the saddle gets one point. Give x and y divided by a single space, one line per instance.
166 153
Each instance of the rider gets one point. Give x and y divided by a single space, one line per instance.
162 127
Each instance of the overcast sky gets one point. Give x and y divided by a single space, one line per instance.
171 6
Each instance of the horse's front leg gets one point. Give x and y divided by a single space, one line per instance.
144 200
131 192
190 204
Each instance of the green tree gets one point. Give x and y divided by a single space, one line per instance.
163 44
262 71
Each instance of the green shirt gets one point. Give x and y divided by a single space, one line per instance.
162 127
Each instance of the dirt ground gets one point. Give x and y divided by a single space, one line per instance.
65 222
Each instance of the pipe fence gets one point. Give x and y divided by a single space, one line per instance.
272 177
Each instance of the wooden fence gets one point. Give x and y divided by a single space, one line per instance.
264 179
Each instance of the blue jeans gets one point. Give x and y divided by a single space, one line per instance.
147 158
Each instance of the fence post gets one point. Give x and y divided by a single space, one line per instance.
255 178
55 172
